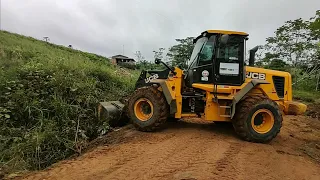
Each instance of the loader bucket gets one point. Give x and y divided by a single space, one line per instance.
113 113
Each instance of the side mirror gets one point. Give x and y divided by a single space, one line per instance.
157 61
224 39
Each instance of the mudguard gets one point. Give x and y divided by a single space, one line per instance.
245 90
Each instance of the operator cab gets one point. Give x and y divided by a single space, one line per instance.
218 58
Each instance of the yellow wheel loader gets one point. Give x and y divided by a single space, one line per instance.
216 86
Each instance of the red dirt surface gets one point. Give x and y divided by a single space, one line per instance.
197 150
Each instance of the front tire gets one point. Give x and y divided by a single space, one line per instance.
148 109
257 119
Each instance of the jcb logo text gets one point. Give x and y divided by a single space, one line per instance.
255 75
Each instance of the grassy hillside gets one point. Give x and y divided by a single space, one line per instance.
48 100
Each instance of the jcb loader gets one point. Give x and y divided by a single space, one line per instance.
216 86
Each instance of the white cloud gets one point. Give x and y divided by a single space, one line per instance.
103 27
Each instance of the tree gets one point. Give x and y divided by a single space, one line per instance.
315 26
264 57
269 60
180 53
159 54
294 47
292 43
295 42
139 56
142 63
318 51
315 31
277 64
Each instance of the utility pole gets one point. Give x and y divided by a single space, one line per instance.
46 39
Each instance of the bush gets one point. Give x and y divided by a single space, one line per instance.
146 65
307 96
48 100
127 65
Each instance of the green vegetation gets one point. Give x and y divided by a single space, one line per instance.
306 96
181 52
295 48
177 55
143 64
48 100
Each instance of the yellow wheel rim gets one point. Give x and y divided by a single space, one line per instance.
143 109
262 121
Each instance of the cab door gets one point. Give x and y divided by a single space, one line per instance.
202 72
229 62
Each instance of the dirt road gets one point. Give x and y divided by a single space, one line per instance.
190 150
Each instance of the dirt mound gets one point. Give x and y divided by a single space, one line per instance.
196 150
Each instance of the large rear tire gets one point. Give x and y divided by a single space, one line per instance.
148 109
257 119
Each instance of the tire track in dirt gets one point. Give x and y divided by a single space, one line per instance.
165 158
180 160
201 164
63 170
226 166
191 151
196 160
148 160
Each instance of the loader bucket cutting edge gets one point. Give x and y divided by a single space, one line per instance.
112 112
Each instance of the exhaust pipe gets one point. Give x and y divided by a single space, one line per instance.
252 55
113 112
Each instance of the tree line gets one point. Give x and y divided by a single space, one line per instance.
177 55
294 47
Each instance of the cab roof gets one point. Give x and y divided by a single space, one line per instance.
226 32
221 32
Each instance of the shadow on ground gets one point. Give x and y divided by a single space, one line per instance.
220 128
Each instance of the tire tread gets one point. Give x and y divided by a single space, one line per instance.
241 116
161 106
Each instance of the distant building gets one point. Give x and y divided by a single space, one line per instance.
122 59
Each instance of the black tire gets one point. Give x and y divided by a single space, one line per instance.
245 110
160 108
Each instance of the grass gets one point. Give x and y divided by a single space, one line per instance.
48 100
307 96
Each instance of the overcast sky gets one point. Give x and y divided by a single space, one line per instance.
105 26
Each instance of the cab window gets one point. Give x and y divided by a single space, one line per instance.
207 51
231 52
